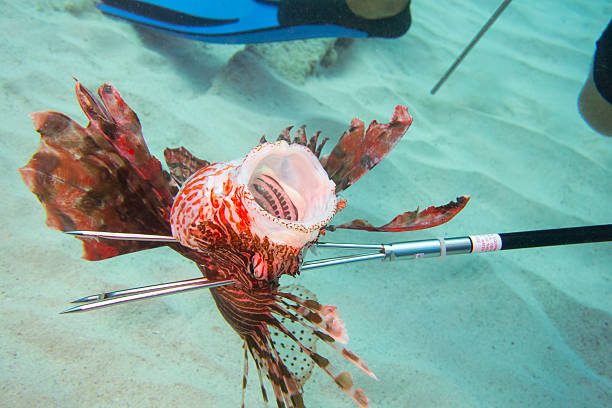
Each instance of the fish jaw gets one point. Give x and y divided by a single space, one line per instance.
278 192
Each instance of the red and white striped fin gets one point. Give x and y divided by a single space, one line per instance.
245 374
332 329
287 391
324 317
342 379
264 393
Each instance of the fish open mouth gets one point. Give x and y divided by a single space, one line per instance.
287 185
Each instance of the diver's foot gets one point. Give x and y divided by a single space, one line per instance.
385 20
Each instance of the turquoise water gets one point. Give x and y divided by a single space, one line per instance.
511 329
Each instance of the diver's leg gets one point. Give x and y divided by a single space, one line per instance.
595 110
595 100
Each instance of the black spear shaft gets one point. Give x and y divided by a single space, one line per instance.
558 236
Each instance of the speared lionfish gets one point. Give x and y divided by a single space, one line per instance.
246 220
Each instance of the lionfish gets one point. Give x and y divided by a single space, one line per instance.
246 219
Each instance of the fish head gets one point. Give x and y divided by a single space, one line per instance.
265 207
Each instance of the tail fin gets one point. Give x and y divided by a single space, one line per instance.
101 177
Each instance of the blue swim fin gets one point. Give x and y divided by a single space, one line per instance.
253 21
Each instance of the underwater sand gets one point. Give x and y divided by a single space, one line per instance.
513 329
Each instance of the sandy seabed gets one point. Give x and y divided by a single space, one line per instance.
525 328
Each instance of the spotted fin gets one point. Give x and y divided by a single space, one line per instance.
342 379
292 307
331 327
286 353
298 363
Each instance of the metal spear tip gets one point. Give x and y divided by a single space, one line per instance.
74 309
121 236
85 299
145 292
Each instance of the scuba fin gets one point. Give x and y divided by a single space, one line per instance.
254 21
